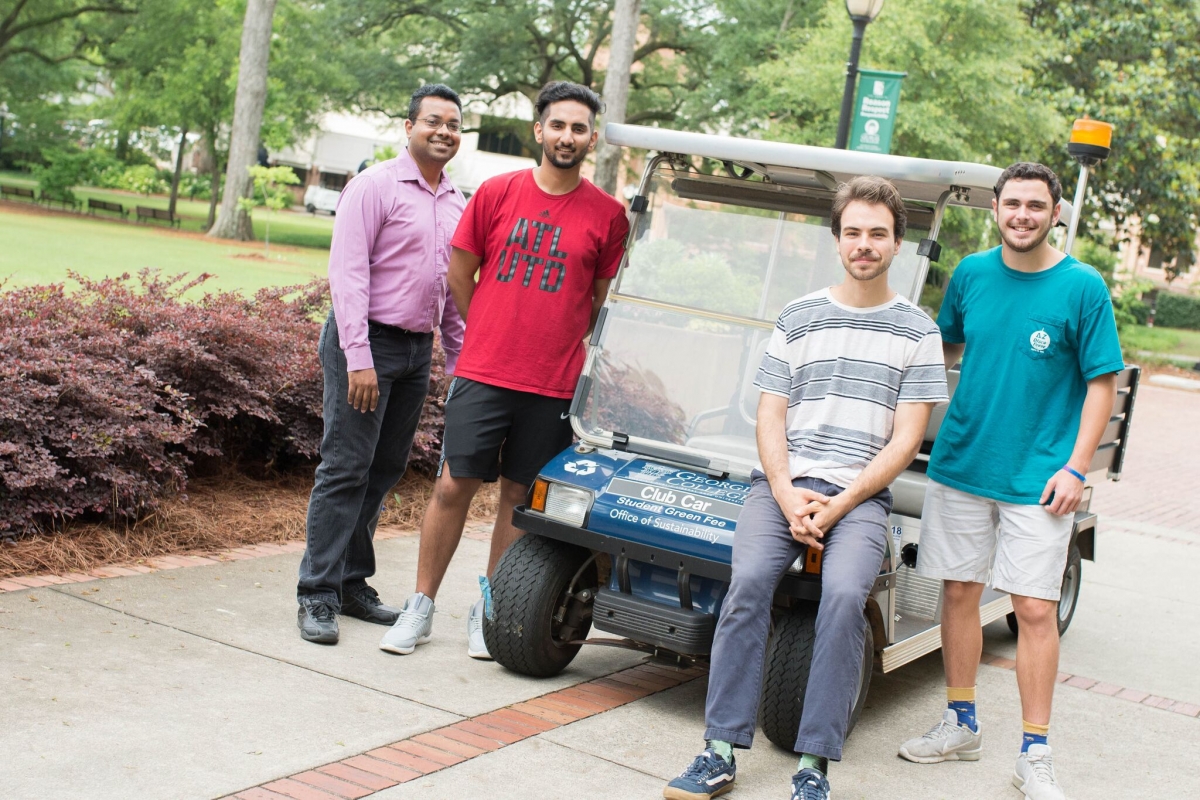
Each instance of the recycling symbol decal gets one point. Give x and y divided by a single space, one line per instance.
580 468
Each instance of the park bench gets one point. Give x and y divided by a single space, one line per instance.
95 205
157 213
17 193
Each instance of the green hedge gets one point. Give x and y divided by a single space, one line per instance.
1177 311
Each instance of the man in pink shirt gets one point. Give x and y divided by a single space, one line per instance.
387 275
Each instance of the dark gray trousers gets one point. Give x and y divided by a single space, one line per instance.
763 549
363 455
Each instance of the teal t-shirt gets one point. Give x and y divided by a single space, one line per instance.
1033 343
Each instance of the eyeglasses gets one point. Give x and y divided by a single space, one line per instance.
436 123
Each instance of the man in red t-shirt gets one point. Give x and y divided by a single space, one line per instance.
546 244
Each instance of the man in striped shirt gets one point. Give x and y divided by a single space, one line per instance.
848 382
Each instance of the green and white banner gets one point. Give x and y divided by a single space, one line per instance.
875 110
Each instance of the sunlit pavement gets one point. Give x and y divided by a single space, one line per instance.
192 682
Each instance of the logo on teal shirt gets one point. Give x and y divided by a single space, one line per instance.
1040 340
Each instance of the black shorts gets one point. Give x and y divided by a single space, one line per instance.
493 431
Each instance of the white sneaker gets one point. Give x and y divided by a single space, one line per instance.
946 741
1035 774
414 626
476 646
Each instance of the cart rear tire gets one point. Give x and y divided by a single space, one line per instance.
531 608
1068 600
785 680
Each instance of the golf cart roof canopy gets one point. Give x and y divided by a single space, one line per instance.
919 179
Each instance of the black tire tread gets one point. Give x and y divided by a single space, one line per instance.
528 582
785 679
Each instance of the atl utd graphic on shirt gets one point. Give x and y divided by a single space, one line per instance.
540 256
524 254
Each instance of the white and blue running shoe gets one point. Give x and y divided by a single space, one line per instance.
708 776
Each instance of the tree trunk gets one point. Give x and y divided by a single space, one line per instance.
216 191
233 222
122 149
178 172
788 13
616 88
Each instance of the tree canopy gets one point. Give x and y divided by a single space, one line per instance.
1136 65
987 80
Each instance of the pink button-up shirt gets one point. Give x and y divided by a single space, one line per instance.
390 252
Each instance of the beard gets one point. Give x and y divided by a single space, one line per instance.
870 271
563 160
1017 247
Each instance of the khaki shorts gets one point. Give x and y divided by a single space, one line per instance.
1018 549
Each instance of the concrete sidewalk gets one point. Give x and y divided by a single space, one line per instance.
194 683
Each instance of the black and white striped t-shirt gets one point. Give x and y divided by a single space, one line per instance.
843 371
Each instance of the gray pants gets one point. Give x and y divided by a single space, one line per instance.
763 549
362 457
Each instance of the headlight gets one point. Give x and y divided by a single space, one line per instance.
567 504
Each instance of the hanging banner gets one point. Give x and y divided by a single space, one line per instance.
875 110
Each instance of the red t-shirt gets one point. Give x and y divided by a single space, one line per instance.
541 254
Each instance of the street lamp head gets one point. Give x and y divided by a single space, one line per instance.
868 9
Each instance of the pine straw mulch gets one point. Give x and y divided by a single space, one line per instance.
218 513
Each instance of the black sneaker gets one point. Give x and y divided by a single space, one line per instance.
364 604
317 621
810 784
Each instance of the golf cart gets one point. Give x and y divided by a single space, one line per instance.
631 530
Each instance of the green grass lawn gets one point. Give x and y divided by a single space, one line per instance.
40 248
287 227
1169 341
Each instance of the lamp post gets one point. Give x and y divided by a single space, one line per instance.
861 12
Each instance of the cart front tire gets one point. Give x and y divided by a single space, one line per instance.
1068 599
534 616
785 681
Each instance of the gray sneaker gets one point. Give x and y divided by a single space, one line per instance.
946 741
476 646
317 621
1034 775
413 627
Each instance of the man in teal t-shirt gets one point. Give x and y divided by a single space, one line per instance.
1008 467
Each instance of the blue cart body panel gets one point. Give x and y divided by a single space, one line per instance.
661 506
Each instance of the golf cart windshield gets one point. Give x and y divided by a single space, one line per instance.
712 263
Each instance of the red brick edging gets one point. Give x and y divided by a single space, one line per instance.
383 767
556 708
366 773
480 531
1106 689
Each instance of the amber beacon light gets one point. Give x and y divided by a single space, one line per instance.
1090 143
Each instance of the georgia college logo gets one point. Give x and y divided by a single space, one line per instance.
1039 341
580 468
